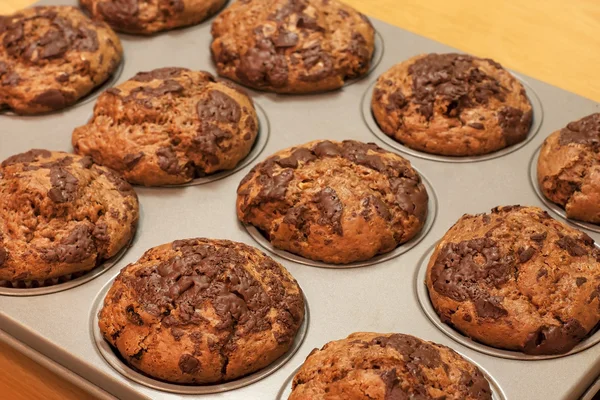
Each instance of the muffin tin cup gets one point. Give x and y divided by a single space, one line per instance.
114 359
497 393
95 92
555 208
68 284
369 119
401 249
423 297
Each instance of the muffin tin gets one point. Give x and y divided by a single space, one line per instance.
380 298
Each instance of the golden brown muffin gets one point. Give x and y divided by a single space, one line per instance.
452 104
145 17
292 46
169 126
568 168
336 202
52 56
517 279
202 311
391 366
60 214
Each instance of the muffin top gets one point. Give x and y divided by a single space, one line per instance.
169 126
60 214
148 17
387 366
292 46
336 202
452 104
202 311
568 168
51 56
517 279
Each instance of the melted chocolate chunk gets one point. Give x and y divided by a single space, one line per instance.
189 364
72 249
380 207
585 131
555 339
318 63
54 99
143 95
299 155
490 307
456 80
286 39
3 255
131 160
575 246
580 281
463 270
27 157
327 149
220 107
123 13
261 65
159 73
515 124
331 209
526 254
86 162
168 161
539 237
64 185
275 187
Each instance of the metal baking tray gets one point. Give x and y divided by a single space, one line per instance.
382 297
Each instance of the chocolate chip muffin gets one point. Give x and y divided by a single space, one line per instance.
452 105
202 311
336 202
52 56
380 366
60 215
292 46
568 168
169 126
517 279
147 17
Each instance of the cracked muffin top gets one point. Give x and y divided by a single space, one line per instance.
568 168
60 214
336 202
202 311
52 56
292 46
391 366
169 126
145 17
452 104
517 279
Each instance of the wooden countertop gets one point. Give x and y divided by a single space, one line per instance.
550 40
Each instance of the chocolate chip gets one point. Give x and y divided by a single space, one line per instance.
555 339
64 185
514 123
72 249
286 39
3 256
526 254
299 155
490 307
220 107
159 73
539 237
331 209
462 270
580 281
62 77
262 66
327 149
53 99
27 157
275 187
476 125
131 160
124 13
168 161
585 131
576 247
380 207
86 162
133 316
542 272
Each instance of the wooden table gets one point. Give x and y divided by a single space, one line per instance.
556 41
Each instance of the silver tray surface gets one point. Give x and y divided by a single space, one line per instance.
380 297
